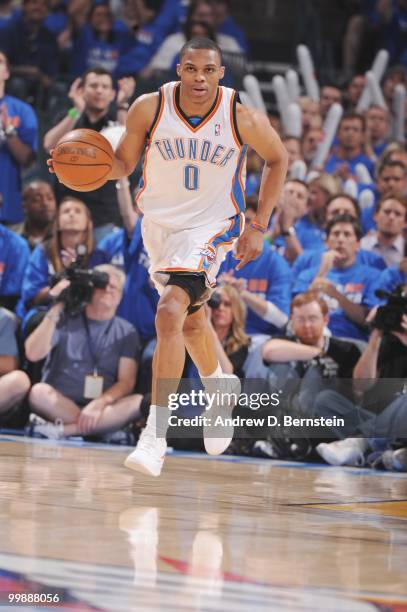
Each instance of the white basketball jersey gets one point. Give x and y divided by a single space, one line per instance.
193 176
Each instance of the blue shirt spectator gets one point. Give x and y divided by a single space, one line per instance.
23 117
335 161
269 277
309 235
113 245
349 150
344 283
150 36
14 256
311 258
28 43
57 19
100 42
140 298
355 283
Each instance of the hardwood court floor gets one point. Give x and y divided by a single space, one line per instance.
209 534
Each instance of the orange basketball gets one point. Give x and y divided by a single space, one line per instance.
82 159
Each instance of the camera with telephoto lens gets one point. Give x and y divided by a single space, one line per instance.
82 283
214 301
388 317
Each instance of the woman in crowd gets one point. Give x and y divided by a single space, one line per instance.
73 227
227 321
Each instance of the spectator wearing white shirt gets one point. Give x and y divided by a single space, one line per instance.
388 240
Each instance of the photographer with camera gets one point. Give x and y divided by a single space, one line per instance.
380 375
91 361
72 227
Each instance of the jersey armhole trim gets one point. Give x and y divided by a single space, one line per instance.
157 115
233 119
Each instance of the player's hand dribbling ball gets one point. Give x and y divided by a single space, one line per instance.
82 160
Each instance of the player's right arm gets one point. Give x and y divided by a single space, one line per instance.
140 118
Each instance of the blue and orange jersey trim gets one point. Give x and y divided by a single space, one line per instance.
154 125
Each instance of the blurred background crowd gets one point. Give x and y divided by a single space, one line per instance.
305 317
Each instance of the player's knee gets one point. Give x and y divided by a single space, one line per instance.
169 317
194 324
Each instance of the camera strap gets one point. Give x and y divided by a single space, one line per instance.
96 354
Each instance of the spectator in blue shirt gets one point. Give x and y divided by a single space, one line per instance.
391 177
149 36
264 286
378 129
350 149
14 256
292 206
31 48
340 204
101 41
18 145
310 229
344 282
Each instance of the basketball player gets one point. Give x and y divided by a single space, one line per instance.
192 198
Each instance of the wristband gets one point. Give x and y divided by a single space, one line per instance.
258 227
73 113
124 106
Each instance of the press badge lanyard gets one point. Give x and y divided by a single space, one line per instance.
93 382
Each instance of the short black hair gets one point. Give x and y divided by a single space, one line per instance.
353 201
99 70
345 219
200 43
391 163
352 116
296 180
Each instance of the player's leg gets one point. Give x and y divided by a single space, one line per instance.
224 388
169 355
200 343
168 363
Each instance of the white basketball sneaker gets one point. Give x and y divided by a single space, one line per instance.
148 456
219 433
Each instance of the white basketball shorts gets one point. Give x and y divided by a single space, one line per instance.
200 249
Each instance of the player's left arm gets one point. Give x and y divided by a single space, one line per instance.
256 131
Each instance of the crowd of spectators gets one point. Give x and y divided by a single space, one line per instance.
302 318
